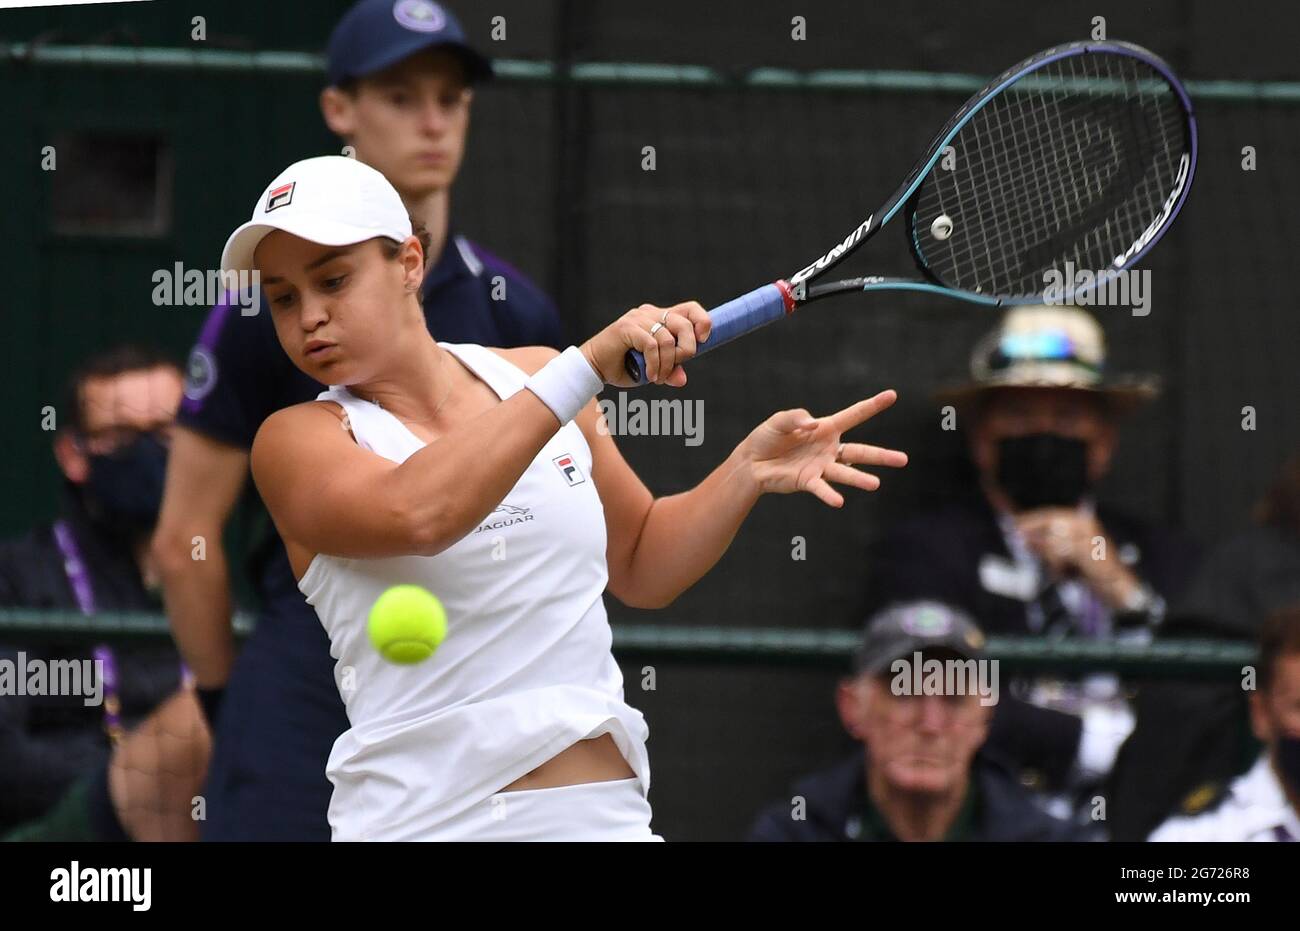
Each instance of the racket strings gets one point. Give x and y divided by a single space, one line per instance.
1051 196
1072 163
1046 202
1042 172
1042 201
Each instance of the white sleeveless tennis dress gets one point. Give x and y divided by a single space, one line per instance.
525 670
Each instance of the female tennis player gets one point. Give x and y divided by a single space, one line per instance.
480 475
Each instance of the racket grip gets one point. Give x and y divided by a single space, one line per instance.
737 317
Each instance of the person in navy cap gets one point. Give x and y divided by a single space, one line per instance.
401 85
401 81
376 34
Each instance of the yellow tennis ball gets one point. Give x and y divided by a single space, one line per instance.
407 623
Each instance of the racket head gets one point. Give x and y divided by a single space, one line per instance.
1077 158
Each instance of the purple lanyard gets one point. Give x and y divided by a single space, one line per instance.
75 568
79 578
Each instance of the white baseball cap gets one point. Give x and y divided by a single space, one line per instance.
331 200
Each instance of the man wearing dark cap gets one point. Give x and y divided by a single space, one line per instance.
919 701
401 84
1034 551
401 79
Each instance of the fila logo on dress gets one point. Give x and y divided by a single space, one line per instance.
568 467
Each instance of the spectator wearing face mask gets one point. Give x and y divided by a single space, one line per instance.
1034 551
1264 803
1192 736
128 766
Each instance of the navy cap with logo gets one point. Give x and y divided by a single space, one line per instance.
376 34
904 628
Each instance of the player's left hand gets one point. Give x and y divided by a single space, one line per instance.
795 451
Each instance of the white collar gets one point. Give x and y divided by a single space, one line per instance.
1262 791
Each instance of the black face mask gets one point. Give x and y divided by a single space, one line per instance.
1043 470
125 487
1287 755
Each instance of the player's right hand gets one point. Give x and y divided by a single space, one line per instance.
684 327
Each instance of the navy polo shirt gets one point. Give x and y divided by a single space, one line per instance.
238 375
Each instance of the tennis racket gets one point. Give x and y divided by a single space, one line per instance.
1083 154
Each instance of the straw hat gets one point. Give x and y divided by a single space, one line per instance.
1048 346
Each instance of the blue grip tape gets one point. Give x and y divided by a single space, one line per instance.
734 318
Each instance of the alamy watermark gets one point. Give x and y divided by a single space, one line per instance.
179 286
1082 287
918 676
24 676
658 417
128 884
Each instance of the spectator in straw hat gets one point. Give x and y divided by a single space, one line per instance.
1034 552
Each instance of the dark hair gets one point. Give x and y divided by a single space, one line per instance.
392 249
1280 636
126 357
1281 505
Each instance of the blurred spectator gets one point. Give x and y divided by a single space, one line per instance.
1192 738
1035 552
1254 574
1263 804
112 452
921 774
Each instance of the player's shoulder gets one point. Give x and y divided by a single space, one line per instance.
296 420
528 358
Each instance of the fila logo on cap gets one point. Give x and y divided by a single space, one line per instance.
419 15
280 197
568 467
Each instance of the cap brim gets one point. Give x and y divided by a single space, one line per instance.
478 68
1123 397
243 242
905 649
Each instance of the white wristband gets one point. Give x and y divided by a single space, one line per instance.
565 384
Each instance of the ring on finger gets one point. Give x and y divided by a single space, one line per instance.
839 453
664 318
656 328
